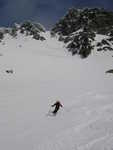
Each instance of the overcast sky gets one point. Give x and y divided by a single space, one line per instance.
46 12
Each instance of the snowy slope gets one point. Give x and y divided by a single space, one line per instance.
44 72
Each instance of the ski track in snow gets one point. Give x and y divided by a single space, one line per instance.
87 134
44 72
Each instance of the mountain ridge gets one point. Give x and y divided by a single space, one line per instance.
78 30
79 27
27 28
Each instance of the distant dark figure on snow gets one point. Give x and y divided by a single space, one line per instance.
9 71
57 106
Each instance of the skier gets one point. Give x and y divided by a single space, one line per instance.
57 106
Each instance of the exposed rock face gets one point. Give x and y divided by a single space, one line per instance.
78 29
28 28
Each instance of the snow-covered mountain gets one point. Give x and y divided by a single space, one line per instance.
27 28
33 75
36 73
79 29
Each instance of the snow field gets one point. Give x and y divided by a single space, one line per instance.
44 72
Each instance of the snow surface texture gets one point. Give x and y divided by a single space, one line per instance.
44 72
